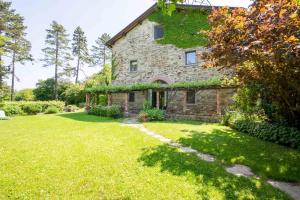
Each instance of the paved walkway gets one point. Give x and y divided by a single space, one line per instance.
239 170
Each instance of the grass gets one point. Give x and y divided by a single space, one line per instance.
77 156
266 159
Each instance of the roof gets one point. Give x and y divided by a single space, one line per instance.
143 16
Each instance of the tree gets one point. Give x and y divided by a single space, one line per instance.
262 46
80 50
104 77
19 48
25 95
57 53
75 94
100 53
6 16
45 88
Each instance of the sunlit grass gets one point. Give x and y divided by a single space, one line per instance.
77 156
231 147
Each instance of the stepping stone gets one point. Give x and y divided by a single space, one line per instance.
188 150
292 189
240 170
206 157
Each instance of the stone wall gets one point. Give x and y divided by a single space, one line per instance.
155 61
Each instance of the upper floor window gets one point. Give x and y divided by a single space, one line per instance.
158 32
133 65
131 97
191 97
190 57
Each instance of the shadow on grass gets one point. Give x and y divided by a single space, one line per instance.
84 117
230 147
212 180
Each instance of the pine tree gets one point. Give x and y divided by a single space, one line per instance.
100 53
80 50
57 52
18 48
6 15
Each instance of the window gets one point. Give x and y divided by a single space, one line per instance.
158 32
190 58
131 97
190 97
133 66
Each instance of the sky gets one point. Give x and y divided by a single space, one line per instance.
93 16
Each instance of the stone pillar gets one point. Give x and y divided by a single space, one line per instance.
184 101
109 100
126 104
219 109
157 99
87 101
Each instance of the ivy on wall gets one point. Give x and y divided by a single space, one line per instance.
182 29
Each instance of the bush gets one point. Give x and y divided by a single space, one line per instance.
51 110
286 136
71 108
30 107
12 110
152 115
106 111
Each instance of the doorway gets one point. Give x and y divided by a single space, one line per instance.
162 99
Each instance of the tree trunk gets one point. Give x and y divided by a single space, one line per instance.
56 69
77 70
12 93
104 55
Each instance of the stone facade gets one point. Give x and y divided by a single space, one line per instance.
165 63
155 61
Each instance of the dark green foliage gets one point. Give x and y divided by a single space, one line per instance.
213 82
286 136
30 107
51 110
183 28
45 89
106 111
151 114
74 94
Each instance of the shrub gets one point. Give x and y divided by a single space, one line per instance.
71 108
152 115
12 110
286 136
106 111
51 110
30 107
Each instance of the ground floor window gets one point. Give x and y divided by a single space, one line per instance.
131 97
191 97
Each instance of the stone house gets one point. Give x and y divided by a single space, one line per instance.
141 58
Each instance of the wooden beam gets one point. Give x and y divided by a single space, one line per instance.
157 99
219 109
87 101
126 103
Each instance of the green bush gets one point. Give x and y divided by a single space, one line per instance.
152 115
12 110
51 110
30 107
286 136
106 111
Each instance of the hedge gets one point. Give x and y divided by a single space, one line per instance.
106 111
29 107
286 136
104 89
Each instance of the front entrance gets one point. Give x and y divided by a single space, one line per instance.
162 100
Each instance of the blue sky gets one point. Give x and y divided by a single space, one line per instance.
94 16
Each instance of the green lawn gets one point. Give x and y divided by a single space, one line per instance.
266 159
77 156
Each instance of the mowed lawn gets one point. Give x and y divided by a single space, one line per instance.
266 159
77 156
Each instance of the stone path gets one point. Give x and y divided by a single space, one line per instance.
293 189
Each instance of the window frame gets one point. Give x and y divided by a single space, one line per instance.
188 98
155 35
186 56
131 66
131 97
